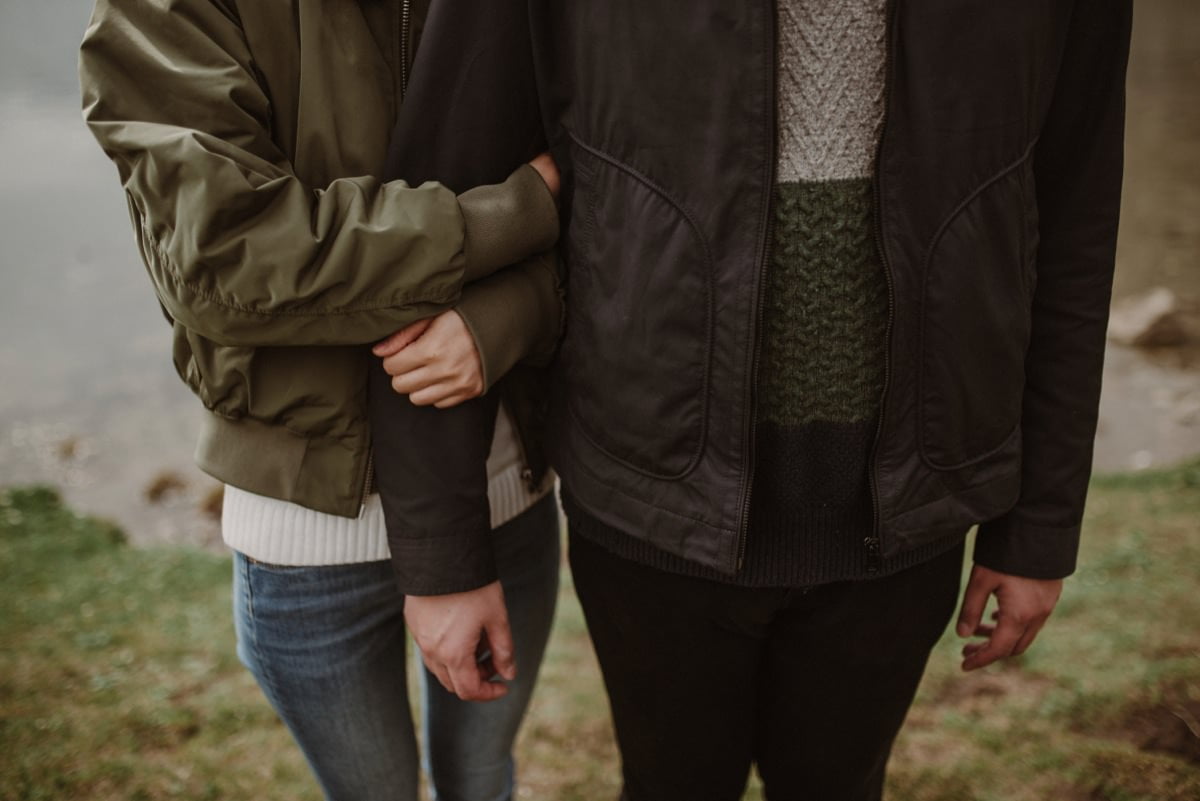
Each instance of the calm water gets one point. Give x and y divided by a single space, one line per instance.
88 400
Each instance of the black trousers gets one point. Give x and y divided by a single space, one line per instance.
705 679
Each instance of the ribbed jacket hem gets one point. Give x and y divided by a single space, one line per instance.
819 546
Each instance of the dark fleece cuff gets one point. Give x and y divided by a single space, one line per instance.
507 222
514 315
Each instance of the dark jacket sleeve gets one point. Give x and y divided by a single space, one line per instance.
1078 171
431 469
470 114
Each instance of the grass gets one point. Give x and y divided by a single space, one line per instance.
118 678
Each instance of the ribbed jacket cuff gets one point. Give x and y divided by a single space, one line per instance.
1009 545
513 315
445 563
507 222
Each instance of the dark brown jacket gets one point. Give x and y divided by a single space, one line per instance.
998 186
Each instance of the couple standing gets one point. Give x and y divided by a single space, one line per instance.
833 289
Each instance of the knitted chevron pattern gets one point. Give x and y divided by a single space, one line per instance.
831 83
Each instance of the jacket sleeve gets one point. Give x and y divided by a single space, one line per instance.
429 463
430 469
515 315
239 248
1078 173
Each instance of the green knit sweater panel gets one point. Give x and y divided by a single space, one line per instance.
825 312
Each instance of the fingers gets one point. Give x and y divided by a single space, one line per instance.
975 599
546 168
1001 643
1024 605
499 637
439 671
1031 633
442 368
402 338
471 681
440 395
430 383
426 388
415 380
408 360
465 676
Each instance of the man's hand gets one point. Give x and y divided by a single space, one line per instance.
465 640
434 361
1023 606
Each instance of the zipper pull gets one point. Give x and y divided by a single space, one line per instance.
873 554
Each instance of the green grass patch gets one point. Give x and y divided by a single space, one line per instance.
1105 706
118 678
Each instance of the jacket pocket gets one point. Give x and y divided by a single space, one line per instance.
636 352
976 321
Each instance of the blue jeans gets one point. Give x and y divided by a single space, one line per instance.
327 646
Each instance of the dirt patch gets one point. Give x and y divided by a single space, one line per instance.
976 694
1120 776
1170 726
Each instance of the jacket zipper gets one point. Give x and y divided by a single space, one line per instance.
522 452
405 35
874 542
751 427
368 482
405 45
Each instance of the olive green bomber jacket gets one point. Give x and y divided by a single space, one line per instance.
245 136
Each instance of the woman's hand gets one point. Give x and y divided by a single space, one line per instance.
546 168
433 361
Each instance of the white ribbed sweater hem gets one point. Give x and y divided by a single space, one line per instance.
282 533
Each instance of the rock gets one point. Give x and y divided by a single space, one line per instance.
213 503
166 483
1147 321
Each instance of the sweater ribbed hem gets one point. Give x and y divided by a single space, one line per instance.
282 533
806 549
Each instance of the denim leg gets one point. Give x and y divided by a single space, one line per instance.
469 753
327 646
